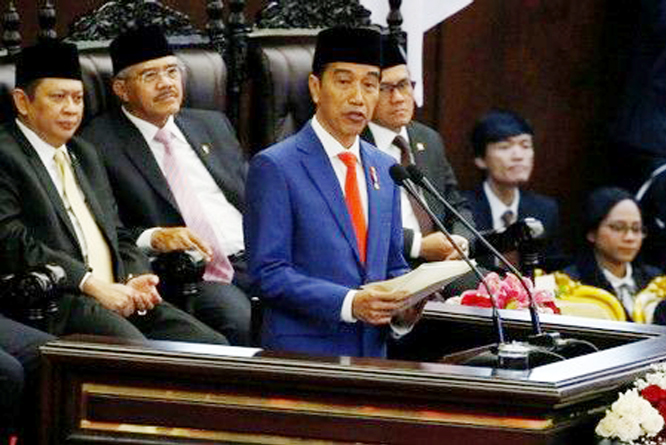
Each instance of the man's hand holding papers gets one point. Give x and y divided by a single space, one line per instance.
423 281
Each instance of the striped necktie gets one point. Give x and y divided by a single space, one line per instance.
425 223
219 268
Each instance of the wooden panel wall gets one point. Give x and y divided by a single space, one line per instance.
558 62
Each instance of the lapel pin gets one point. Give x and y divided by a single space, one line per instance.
374 178
205 148
420 146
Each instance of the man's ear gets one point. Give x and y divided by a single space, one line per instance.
480 163
21 101
119 89
314 84
591 236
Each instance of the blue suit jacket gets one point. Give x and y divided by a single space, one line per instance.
302 248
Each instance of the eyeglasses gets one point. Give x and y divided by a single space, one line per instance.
405 86
624 229
150 76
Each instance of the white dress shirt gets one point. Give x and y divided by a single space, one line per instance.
223 217
498 208
384 141
623 287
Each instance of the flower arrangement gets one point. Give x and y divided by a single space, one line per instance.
637 417
509 293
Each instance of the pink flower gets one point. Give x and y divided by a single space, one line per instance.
509 293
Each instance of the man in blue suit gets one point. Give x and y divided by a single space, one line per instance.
316 231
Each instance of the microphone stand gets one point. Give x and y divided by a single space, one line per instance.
400 176
419 178
550 340
514 355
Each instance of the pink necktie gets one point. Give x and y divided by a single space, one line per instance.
219 268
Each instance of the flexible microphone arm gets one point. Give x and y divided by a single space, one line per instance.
401 177
420 179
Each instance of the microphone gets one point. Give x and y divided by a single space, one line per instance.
420 179
545 346
522 236
540 348
510 238
401 177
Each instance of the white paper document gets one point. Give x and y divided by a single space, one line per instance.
426 279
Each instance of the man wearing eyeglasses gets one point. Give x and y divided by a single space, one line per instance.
178 175
393 131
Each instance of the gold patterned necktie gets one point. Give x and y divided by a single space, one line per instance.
98 253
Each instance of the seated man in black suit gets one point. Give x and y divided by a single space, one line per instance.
504 150
56 207
177 175
393 131
19 380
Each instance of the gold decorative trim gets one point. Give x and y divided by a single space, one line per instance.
301 406
217 436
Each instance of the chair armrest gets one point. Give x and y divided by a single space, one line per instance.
180 273
31 297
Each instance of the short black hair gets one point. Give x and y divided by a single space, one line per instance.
599 204
495 126
31 88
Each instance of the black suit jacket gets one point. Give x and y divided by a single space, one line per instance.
429 156
534 205
34 226
586 270
142 191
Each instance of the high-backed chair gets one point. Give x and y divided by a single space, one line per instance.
205 79
279 63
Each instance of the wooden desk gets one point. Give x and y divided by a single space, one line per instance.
106 392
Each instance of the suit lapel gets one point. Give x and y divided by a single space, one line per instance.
197 136
376 200
138 152
89 196
485 214
418 149
47 182
321 173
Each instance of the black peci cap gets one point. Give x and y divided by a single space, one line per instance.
138 45
50 58
347 44
392 53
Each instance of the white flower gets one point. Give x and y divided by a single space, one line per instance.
630 418
652 423
656 377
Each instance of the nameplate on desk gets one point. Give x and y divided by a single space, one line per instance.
207 348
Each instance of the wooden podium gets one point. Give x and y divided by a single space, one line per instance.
98 391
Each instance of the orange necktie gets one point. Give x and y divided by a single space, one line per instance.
353 198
